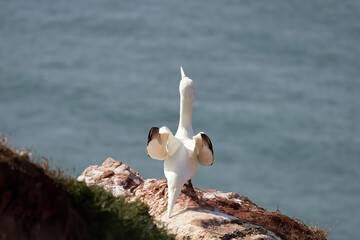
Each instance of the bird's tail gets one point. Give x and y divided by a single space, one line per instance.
173 194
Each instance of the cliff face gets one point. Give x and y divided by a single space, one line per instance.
37 202
198 213
30 204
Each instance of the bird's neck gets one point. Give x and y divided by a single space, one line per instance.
185 125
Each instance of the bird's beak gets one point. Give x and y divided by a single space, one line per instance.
182 73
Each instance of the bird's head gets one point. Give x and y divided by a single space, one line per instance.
186 87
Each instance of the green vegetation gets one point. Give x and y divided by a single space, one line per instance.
109 217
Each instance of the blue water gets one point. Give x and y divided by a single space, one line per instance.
278 92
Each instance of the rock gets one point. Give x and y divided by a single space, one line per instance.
114 176
198 213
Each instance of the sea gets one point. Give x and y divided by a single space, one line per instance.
277 91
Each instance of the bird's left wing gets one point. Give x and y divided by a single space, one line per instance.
161 143
204 149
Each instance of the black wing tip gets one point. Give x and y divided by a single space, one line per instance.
207 139
151 133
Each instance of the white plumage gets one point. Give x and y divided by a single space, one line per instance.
181 153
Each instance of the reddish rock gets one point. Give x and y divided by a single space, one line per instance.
198 213
106 174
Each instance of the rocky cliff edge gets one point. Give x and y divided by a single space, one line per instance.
199 213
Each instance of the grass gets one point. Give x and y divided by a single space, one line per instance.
109 217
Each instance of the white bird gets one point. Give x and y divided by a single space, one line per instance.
181 152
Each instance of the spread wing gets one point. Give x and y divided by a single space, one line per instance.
161 143
204 149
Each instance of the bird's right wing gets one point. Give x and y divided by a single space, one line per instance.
161 143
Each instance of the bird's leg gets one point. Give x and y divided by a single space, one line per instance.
189 189
189 185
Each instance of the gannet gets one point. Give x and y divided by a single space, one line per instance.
181 153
